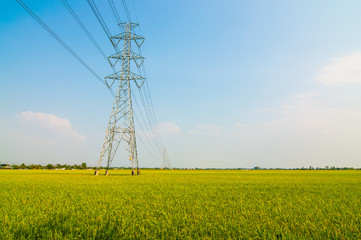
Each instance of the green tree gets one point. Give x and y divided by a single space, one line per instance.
49 166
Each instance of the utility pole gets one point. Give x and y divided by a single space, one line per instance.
121 120
166 163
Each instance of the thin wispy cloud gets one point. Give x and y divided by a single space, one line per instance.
209 130
313 112
168 128
50 122
242 125
341 70
164 129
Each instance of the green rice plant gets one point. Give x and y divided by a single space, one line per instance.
180 204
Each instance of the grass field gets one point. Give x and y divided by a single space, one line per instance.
197 204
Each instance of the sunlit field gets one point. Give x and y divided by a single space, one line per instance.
180 204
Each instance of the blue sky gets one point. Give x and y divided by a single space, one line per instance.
234 83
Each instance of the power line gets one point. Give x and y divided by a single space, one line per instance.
135 11
153 126
102 22
63 44
114 9
145 147
148 98
87 33
152 110
150 130
100 18
84 29
149 107
157 159
126 10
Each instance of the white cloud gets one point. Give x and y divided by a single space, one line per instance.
264 109
242 125
314 114
50 122
307 99
341 70
2 122
168 128
210 130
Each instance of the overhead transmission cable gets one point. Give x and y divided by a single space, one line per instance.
114 9
135 11
150 130
101 21
156 137
126 10
100 18
87 33
147 94
63 44
84 29
145 147
148 104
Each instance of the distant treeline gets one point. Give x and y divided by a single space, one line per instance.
309 168
260 168
48 166
84 166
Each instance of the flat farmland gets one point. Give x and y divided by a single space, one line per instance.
180 204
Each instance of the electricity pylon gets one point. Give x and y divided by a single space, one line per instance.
121 121
166 163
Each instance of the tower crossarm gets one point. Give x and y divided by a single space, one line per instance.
127 36
130 25
131 36
138 60
139 80
120 55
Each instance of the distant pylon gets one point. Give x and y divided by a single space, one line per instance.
166 163
121 121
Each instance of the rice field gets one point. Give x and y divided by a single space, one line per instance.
180 204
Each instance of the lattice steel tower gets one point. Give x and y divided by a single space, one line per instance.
121 121
166 163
